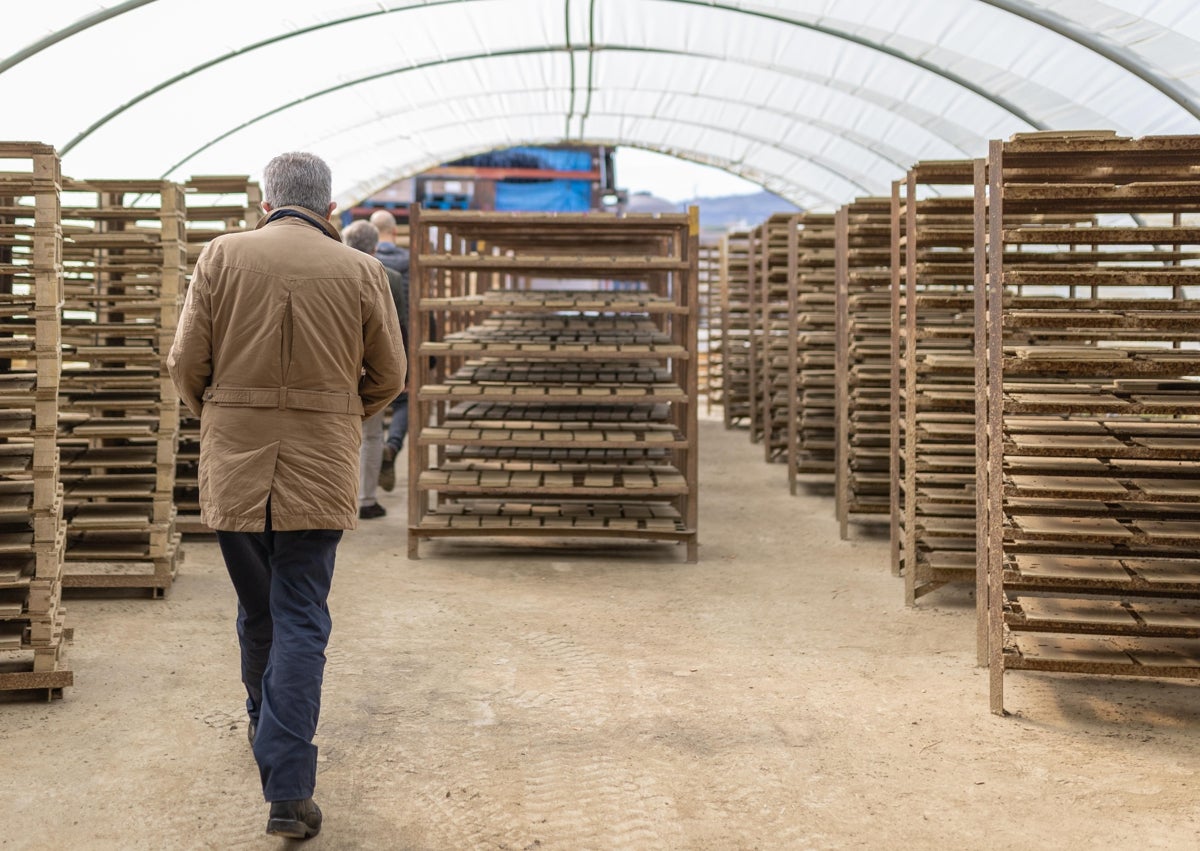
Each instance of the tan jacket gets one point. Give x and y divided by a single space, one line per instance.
287 340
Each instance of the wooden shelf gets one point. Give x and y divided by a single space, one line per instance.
933 397
735 328
119 418
32 617
776 267
812 353
560 404
1090 473
711 275
862 358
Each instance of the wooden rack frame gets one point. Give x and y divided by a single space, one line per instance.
811 352
863 234
125 261
564 399
711 275
1089 441
755 287
735 328
32 530
777 270
932 377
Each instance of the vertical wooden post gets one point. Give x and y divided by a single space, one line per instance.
991 544
691 250
982 502
841 361
793 332
911 380
895 400
418 409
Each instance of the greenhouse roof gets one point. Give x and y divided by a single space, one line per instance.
816 100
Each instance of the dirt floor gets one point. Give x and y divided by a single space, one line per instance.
776 695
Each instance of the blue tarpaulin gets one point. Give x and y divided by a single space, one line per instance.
552 196
529 156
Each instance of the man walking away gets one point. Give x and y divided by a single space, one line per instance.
397 259
363 236
287 340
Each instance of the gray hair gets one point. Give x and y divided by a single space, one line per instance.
384 221
361 235
298 179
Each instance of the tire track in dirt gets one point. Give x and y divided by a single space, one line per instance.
189 827
583 794
466 814
439 780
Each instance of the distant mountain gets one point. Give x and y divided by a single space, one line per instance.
644 202
717 214
738 211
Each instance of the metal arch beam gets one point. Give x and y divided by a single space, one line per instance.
418 165
691 156
820 162
854 138
924 65
233 54
1122 57
814 160
1116 54
528 51
893 157
66 32
1002 102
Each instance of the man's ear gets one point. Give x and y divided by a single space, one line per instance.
266 207
332 207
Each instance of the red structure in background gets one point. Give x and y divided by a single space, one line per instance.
566 178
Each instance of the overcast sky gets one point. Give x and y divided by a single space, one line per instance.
675 179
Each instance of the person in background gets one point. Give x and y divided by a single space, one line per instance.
397 259
363 236
286 341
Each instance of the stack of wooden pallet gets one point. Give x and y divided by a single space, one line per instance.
735 328
811 377
933 377
125 256
565 404
755 293
32 532
863 359
711 274
777 269
216 204
1092 431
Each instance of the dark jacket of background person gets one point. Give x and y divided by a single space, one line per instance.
398 284
287 340
397 261
394 257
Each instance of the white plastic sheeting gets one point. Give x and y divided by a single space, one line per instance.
818 100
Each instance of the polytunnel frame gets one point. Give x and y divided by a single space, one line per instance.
528 51
1046 19
862 41
701 125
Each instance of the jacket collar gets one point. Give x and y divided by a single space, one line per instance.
302 214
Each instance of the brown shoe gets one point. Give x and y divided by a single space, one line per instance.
294 819
387 469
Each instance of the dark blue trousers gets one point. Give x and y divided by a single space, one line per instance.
282 581
398 427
